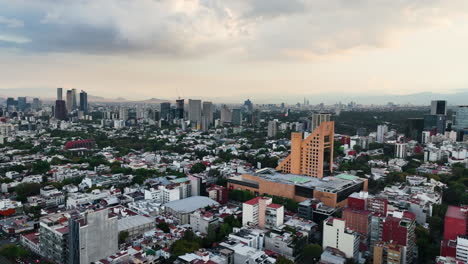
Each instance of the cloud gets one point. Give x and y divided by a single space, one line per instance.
252 28
11 22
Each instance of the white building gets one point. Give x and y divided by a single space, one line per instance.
462 249
261 211
336 235
400 150
381 131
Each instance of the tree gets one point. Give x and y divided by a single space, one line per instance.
40 167
123 236
198 168
283 260
24 190
311 253
164 227
12 251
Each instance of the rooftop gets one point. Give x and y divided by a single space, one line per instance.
455 212
191 204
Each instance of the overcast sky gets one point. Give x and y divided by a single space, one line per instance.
220 48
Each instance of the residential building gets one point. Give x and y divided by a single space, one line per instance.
286 244
462 249
400 150
92 236
399 228
218 193
312 156
262 212
201 221
272 128
382 130
336 235
388 253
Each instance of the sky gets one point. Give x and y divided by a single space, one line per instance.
139 49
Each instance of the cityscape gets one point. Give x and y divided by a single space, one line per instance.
191 181
233 132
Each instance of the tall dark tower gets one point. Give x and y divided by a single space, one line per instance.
180 109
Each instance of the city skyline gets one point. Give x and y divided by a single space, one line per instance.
192 49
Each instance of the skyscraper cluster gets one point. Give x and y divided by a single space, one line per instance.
64 107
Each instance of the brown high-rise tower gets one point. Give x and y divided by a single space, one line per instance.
312 156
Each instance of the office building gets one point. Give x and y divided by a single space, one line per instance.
312 156
195 113
84 101
262 212
382 131
165 111
36 104
460 121
336 235
180 109
123 113
226 114
390 253
69 100
272 128
11 104
59 93
74 101
435 123
60 110
439 107
248 105
207 115
331 191
236 117
22 104
414 128
318 119
92 236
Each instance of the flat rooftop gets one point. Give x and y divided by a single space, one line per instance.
327 184
455 212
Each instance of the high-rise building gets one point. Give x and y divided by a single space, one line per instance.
336 235
439 107
195 113
11 104
435 123
319 118
92 236
262 212
36 105
59 93
60 110
312 156
414 128
272 128
165 110
226 114
248 105
123 113
22 104
236 117
180 109
460 121
69 100
382 130
400 150
74 101
84 101
207 115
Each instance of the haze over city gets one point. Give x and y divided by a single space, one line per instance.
223 49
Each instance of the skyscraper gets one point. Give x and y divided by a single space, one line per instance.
74 102
60 110
36 105
11 104
207 115
195 113
165 110
69 100
22 103
123 113
439 107
312 156
180 109
226 114
381 132
84 101
248 105
319 118
460 121
272 128
59 93
236 117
